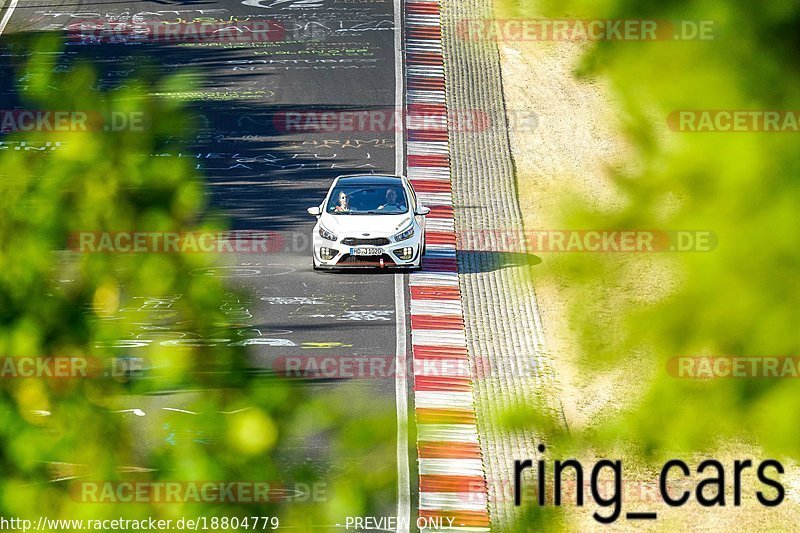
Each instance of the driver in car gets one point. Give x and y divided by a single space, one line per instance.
392 203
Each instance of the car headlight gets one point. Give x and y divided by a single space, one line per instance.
325 234
405 234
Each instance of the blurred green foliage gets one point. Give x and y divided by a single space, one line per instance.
740 299
55 433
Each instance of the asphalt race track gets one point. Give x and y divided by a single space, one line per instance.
333 56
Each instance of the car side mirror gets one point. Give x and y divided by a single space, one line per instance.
422 210
316 211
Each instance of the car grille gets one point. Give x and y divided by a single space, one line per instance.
365 260
351 241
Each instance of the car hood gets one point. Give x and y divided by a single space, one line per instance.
358 225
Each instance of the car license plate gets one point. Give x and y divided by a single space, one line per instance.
366 251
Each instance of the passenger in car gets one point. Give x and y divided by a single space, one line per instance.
344 203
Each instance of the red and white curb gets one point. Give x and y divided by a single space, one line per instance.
451 474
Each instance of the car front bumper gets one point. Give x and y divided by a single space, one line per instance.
345 255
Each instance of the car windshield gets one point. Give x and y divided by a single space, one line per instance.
367 200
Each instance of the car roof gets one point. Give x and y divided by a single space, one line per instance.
369 179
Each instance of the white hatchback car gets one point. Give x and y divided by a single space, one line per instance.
369 221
